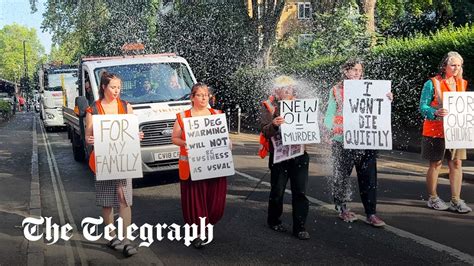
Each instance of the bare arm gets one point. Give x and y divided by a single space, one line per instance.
89 130
176 136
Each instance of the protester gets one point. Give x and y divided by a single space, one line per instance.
294 169
449 78
202 198
344 160
112 194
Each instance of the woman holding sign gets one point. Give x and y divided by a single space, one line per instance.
201 198
295 169
433 149
112 193
344 160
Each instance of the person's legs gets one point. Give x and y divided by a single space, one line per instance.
366 169
455 178
432 177
108 214
125 211
216 196
278 180
298 174
342 169
193 201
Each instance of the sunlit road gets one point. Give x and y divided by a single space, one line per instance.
415 235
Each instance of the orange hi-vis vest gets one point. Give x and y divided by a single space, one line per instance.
434 128
97 109
264 142
338 92
183 163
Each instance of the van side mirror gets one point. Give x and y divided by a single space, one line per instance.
81 106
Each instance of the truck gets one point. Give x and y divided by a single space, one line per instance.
157 86
56 82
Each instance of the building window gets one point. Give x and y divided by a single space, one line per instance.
304 10
305 40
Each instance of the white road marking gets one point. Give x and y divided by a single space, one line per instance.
421 240
60 193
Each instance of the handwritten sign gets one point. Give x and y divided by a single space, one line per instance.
459 123
367 115
301 121
284 152
209 154
117 147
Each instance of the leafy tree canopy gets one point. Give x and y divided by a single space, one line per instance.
11 51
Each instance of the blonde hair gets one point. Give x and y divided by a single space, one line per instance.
445 61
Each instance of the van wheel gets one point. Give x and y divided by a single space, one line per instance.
78 148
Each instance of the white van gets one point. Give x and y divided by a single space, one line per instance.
157 86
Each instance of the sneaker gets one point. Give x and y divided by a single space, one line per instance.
375 221
437 204
302 235
460 207
347 216
279 228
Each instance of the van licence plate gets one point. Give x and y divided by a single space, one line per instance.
160 156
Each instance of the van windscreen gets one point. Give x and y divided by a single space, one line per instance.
153 82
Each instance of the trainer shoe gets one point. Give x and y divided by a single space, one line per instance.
375 221
460 207
347 216
437 204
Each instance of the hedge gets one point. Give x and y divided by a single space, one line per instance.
408 62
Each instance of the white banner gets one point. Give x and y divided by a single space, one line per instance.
284 152
367 115
117 147
301 121
459 123
208 143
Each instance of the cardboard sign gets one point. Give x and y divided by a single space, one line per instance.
459 123
208 143
117 147
284 152
367 115
301 121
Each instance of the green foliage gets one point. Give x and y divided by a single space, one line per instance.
99 27
407 62
406 18
11 51
215 39
336 34
248 87
5 108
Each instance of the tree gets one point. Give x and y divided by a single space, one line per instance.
100 27
12 54
216 39
265 23
405 18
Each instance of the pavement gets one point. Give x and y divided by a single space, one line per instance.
19 193
396 159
